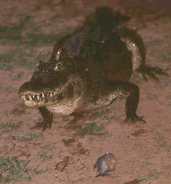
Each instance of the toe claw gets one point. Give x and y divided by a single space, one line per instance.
135 119
151 72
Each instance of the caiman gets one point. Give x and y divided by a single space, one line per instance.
90 67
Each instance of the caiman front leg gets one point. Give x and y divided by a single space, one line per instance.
132 102
131 91
47 118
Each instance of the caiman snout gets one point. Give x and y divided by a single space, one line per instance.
31 97
25 87
37 96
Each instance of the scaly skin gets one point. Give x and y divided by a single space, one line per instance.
91 66
66 85
71 44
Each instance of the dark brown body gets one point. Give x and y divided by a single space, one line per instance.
102 66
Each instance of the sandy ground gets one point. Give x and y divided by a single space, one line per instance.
142 151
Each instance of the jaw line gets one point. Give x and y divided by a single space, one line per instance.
49 96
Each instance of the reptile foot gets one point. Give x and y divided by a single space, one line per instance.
47 118
42 125
74 123
151 72
134 119
37 126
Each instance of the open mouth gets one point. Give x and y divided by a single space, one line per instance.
71 90
39 99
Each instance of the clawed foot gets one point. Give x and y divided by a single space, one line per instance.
47 118
151 72
42 125
37 126
73 124
46 125
134 119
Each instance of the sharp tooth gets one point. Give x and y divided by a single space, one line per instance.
38 98
30 97
43 95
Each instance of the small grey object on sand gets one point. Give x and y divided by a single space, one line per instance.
105 164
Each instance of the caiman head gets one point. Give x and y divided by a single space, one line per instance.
52 83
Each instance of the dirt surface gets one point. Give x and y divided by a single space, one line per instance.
66 154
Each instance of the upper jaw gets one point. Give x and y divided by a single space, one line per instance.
34 97
46 96
40 98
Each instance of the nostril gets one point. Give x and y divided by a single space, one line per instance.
42 82
24 87
42 78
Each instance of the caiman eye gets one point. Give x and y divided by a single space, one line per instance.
39 66
58 54
58 67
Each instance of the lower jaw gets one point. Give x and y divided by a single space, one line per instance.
63 108
39 102
33 104
68 106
